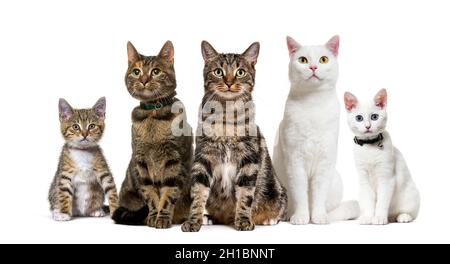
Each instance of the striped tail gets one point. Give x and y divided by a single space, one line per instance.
123 216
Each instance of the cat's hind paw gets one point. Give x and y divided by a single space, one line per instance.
97 213
365 220
404 218
270 222
320 219
207 220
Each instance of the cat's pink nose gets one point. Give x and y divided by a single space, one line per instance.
313 67
368 126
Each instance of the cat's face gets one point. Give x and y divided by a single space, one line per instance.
312 66
150 78
229 76
82 128
366 120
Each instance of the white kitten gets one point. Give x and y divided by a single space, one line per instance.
306 144
387 191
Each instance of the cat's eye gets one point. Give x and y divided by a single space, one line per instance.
218 73
240 73
324 60
303 60
136 72
76 127
91 126
359 118
156 72
374 117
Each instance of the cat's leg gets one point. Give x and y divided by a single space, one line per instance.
95 198
149 191
297 179
367 198
319 188
63 197
385 191
245 192
201 182
106 181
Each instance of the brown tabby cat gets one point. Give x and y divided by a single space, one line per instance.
155 191
83 177
233 178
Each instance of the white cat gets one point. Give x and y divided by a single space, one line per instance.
387 191
306 144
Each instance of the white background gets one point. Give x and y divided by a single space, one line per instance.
77 50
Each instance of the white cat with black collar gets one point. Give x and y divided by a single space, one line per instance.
387 191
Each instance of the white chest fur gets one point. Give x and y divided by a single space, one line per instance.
84 163
225 174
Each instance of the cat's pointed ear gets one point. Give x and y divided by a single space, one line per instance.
350 101
381 98
167 52
133 55
252 52
65 110
292 45
208 51
333 45
100 108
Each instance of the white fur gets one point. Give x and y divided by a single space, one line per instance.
58 216
306 144
84 176
387 191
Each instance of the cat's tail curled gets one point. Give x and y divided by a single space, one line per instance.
348 210
123 216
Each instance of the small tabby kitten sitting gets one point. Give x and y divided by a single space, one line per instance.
155 191
83 177
387 191
234 182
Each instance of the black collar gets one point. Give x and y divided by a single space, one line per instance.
158 104
378 140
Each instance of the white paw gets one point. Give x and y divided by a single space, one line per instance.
299 219
320 219
97 213
404 218
207 220
380 220
270 222
57 216
365 220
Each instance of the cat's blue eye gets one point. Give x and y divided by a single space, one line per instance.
359 118
374 117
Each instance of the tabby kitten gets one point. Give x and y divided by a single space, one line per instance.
83 177
155 191
233 181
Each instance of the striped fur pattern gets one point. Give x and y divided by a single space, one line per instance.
155 191
233 181
83 178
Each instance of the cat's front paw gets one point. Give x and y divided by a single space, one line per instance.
300 219
365 220
191 226
163 222
151 220
58 216
244 225
321 219
380 220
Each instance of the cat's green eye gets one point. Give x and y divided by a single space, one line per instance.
324 60
91 126
156 72
76 127
241 73
218 73
136 72
303 60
